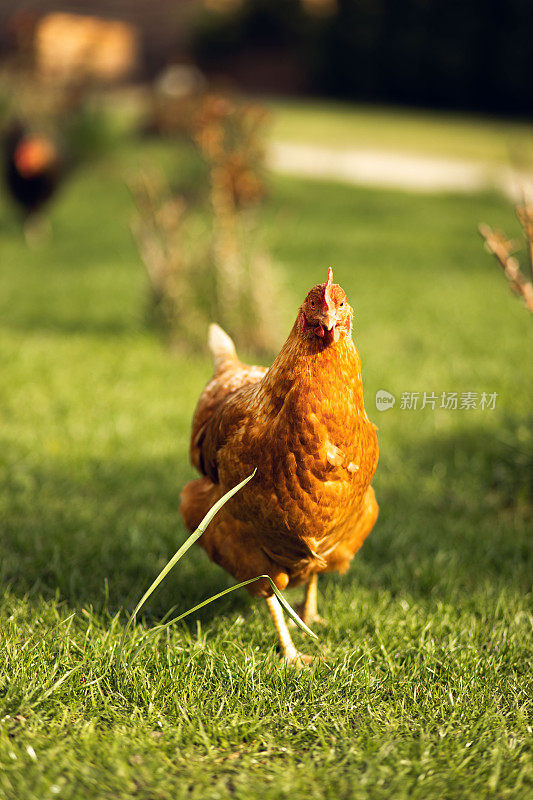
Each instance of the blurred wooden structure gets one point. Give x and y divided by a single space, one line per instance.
72 47
162 27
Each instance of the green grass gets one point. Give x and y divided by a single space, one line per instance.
422 685
430 133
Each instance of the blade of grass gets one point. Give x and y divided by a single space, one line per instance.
190 541
290 611
57 684
176 557
174 560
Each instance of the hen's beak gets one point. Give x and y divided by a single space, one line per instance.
329 320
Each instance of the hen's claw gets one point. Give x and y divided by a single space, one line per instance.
297 660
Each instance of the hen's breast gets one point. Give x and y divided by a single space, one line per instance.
324 466
315 455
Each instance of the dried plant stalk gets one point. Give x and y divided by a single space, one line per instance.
158 229
230 137
220 275
502 249
525 216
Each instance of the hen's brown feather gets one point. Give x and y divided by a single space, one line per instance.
302 423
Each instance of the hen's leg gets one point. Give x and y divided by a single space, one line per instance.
289 653
308 609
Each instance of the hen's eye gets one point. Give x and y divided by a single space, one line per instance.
341 305
312 303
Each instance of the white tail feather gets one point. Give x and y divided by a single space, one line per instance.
221 345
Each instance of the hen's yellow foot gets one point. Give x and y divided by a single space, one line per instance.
308 611
298 660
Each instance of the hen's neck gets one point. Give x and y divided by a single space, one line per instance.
313 365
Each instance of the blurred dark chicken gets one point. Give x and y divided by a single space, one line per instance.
33 168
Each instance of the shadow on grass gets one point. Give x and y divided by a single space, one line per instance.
98 533
455 516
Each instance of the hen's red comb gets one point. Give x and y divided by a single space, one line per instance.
327 288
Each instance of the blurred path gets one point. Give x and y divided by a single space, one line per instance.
397 170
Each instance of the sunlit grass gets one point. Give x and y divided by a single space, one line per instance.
431 133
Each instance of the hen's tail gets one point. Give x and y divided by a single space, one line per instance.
221 346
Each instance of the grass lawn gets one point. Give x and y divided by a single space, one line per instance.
401 130
422 686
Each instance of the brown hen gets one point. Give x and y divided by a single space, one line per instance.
303 425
